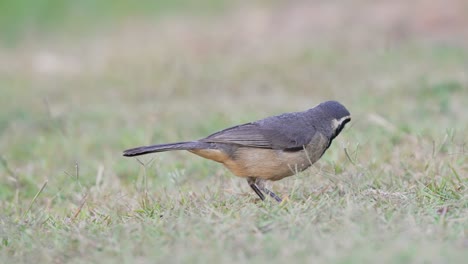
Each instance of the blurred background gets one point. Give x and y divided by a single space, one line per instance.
80 81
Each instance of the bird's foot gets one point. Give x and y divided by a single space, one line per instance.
258 185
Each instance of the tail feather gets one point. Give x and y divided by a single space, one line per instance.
165 147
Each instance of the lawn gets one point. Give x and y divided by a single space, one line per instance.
78 87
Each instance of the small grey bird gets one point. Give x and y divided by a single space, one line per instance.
270 148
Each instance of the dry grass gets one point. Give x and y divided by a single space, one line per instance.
392 188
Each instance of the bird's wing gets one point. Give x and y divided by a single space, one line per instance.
246 135
278 132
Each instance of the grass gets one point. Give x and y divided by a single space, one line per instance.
20 19
392 188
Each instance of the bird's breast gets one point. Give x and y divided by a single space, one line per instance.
271 164
317 146
268 164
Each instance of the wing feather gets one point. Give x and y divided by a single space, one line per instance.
246 135
287 131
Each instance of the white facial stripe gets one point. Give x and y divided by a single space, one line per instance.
338 122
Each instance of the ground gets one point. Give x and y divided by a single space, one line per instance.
392 188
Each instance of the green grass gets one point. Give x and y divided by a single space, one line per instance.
392 188
23 19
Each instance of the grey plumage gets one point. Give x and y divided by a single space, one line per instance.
165 147
287 140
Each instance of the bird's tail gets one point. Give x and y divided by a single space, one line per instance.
165 147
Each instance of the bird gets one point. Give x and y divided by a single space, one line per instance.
268 149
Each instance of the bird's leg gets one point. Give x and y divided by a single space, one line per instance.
272 194
261 185
251 182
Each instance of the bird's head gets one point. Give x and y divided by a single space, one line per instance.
337 114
